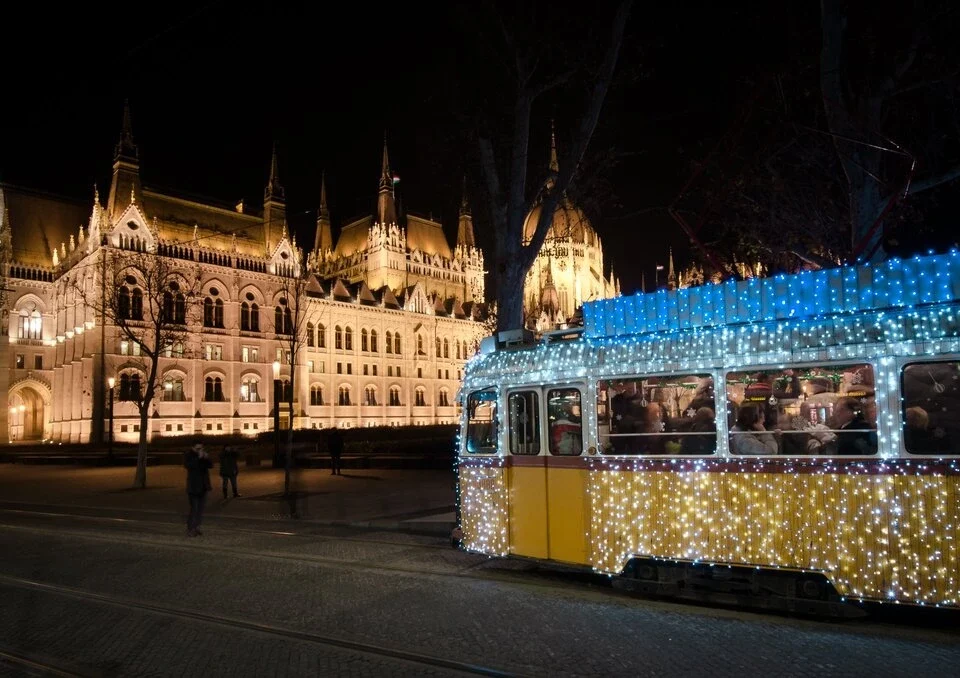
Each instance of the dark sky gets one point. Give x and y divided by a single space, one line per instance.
212 85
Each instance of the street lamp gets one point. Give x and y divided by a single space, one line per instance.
111 382
277 387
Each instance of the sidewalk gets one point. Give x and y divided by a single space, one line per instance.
414 501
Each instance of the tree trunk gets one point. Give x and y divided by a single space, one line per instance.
510 293
140 477
288 460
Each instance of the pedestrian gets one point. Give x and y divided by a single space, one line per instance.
229 469
198 465
335 449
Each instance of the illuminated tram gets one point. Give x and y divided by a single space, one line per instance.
791 441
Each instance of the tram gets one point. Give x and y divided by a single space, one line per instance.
791 441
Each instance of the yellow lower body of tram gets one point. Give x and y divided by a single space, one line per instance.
877 530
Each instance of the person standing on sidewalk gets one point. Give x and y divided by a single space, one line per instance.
335 448
198 464
229 469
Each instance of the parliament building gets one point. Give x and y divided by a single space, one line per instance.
393 312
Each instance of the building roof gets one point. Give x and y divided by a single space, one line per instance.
353 237
177 217
569 223
427 236
39 222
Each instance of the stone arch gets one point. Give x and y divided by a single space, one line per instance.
223 290
31 410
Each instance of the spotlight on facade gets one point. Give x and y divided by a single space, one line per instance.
276 369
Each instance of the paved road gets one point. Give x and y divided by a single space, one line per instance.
116 588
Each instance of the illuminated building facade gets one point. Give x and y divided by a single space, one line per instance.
393 313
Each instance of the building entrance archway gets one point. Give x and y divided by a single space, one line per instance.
28 414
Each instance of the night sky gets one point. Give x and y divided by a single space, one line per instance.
212 85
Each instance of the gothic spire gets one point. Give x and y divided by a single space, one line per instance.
273 191
125 183
465 237
386 204
323 240
671 274
554 164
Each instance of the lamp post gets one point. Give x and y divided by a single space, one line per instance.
277 388
111 382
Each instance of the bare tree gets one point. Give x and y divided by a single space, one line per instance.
534 71
290 320
866 84
151 301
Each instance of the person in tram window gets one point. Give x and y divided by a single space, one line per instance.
703 438
855 435
749 436
917 436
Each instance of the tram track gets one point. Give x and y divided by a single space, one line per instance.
467 572
234 623
30 665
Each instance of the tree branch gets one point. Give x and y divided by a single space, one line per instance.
932 182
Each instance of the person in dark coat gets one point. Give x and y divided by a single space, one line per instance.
335 449
198 465
229 469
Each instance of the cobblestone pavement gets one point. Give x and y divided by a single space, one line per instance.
388 589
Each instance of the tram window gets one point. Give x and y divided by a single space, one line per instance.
482 422
565 418
821 410
672 414
524 423
931 407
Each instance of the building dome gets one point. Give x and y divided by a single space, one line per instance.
569 224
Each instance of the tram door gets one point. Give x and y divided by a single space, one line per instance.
547 514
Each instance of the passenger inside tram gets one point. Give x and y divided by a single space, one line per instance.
931 407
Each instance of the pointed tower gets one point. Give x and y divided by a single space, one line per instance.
125 184
274 207
323 240
554 166
671 273
465 237
386 205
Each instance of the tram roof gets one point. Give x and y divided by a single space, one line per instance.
891 284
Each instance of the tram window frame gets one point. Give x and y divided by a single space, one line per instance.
632 443
930 418
518 446
552 445
488 395
818 440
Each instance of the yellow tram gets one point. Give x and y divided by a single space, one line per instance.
794 439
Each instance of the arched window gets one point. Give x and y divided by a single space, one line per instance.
287 391
208 312
438 347
396 343
245 317
173 389
254 318
373 341
123 302
213 389
249 390
364 344
420 345
218 313
370 396
136 309
316 395
310 338
343 397
394 396
388 344
179 309
321 336
348 339
278 320
130 386
287 321
446 348
443 398
31 324
338 337
420 397
458 348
